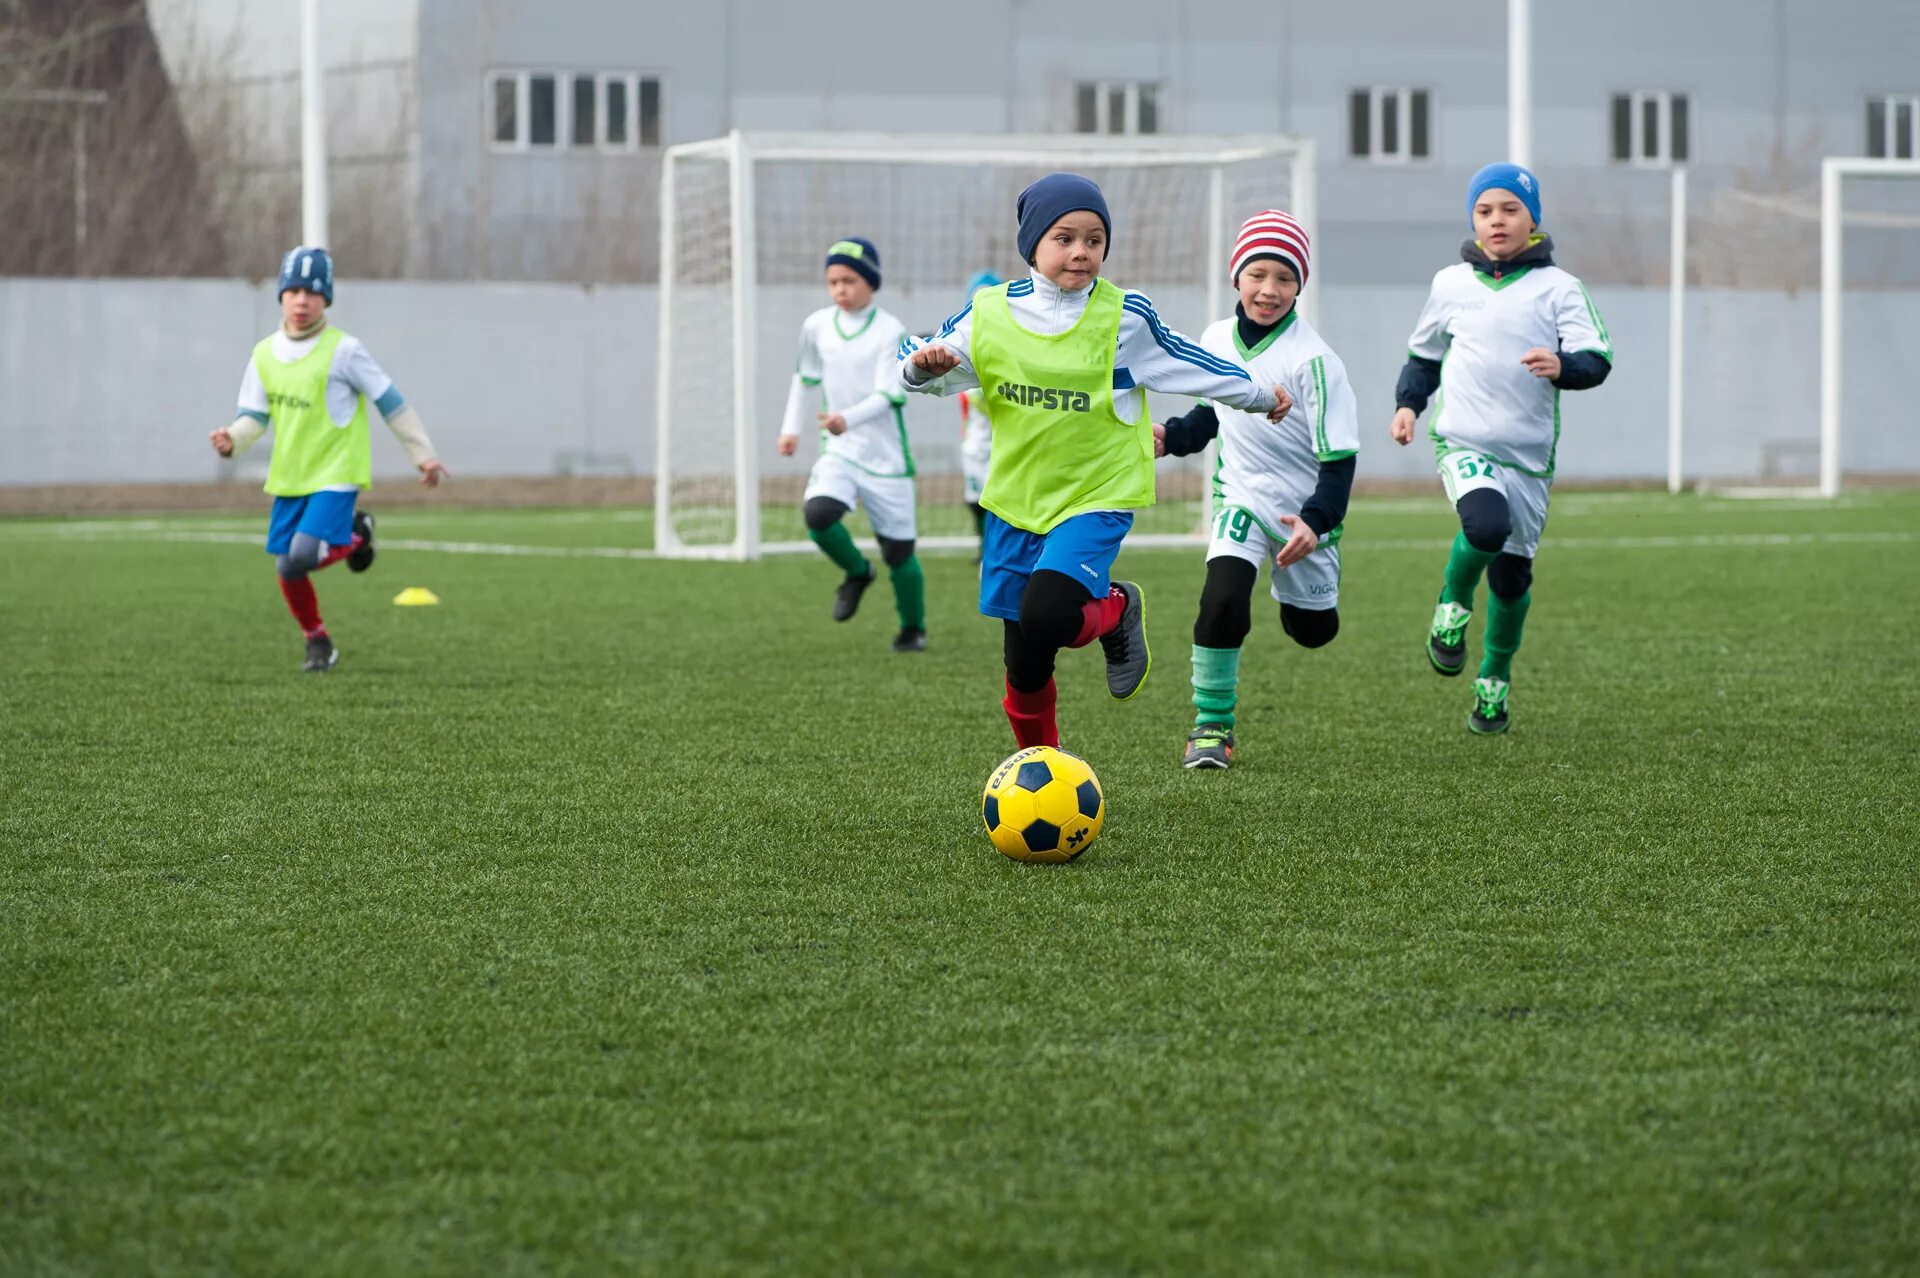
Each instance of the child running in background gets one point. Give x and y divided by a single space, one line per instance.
1502 334
1280 492
846 352
1064 358
311 382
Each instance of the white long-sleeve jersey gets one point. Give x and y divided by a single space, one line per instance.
1151 356
845 360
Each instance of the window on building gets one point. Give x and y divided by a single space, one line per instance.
1116 106
1893 120
1651 126
1389 124
545 110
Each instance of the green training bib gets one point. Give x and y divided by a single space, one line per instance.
1059 449
310 452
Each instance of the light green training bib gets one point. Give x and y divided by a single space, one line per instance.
310 452
1059 449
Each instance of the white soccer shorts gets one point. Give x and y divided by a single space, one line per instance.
887 499
1464 471
1312 584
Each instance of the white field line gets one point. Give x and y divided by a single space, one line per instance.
1703 541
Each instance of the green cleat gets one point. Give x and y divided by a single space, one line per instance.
1209 746
1447 639
1489 717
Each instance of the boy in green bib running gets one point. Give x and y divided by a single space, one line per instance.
1064 359
313 383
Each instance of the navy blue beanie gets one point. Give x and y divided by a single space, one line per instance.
1505 177
1052 198
859 256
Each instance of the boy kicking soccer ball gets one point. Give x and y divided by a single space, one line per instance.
312 382
1064 358
846 355
1280 491
1502 334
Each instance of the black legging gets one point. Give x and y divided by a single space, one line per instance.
1052 610
1226 610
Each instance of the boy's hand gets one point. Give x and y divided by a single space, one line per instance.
1301 542
1159 440
1402 428
222 441
833 423
1283 404
788 443
1542 362
432 472
934 359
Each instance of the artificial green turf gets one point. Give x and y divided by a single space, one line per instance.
624 916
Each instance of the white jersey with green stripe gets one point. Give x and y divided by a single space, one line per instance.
846 365
1270 470
1479 327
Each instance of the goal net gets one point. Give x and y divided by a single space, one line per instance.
745 224
1789 303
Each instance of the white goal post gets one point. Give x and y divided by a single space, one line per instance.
1887 268
745 221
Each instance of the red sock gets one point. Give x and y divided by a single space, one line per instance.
336 553
1098 616
303 604
1031 716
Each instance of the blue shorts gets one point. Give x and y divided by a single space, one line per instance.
327 516
1082 548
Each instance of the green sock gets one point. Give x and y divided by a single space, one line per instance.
1506 618
838 543
910 594
1464 567
1216 679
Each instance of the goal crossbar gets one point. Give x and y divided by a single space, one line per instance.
1210 156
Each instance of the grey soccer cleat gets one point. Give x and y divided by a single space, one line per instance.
1126 645
910 639
1489 715
846 599
361 558
322 656
1447 638
1209 746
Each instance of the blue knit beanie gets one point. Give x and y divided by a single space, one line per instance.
1052 198
859 256
1505 177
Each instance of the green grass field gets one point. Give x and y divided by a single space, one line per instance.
624 916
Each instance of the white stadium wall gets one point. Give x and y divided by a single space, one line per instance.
118 381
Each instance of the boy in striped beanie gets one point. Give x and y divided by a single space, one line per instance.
1280 492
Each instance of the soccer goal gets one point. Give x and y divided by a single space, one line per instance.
1751 410
745 222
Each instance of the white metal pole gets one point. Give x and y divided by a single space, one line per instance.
1520 81
746 497
313 129
1306 209
80 180
1676 328
1216 239
1830 281
664 536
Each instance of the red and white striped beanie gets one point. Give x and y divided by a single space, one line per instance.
1271 233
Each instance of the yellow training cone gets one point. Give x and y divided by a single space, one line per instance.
416 597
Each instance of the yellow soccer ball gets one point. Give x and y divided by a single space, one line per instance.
1044 805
